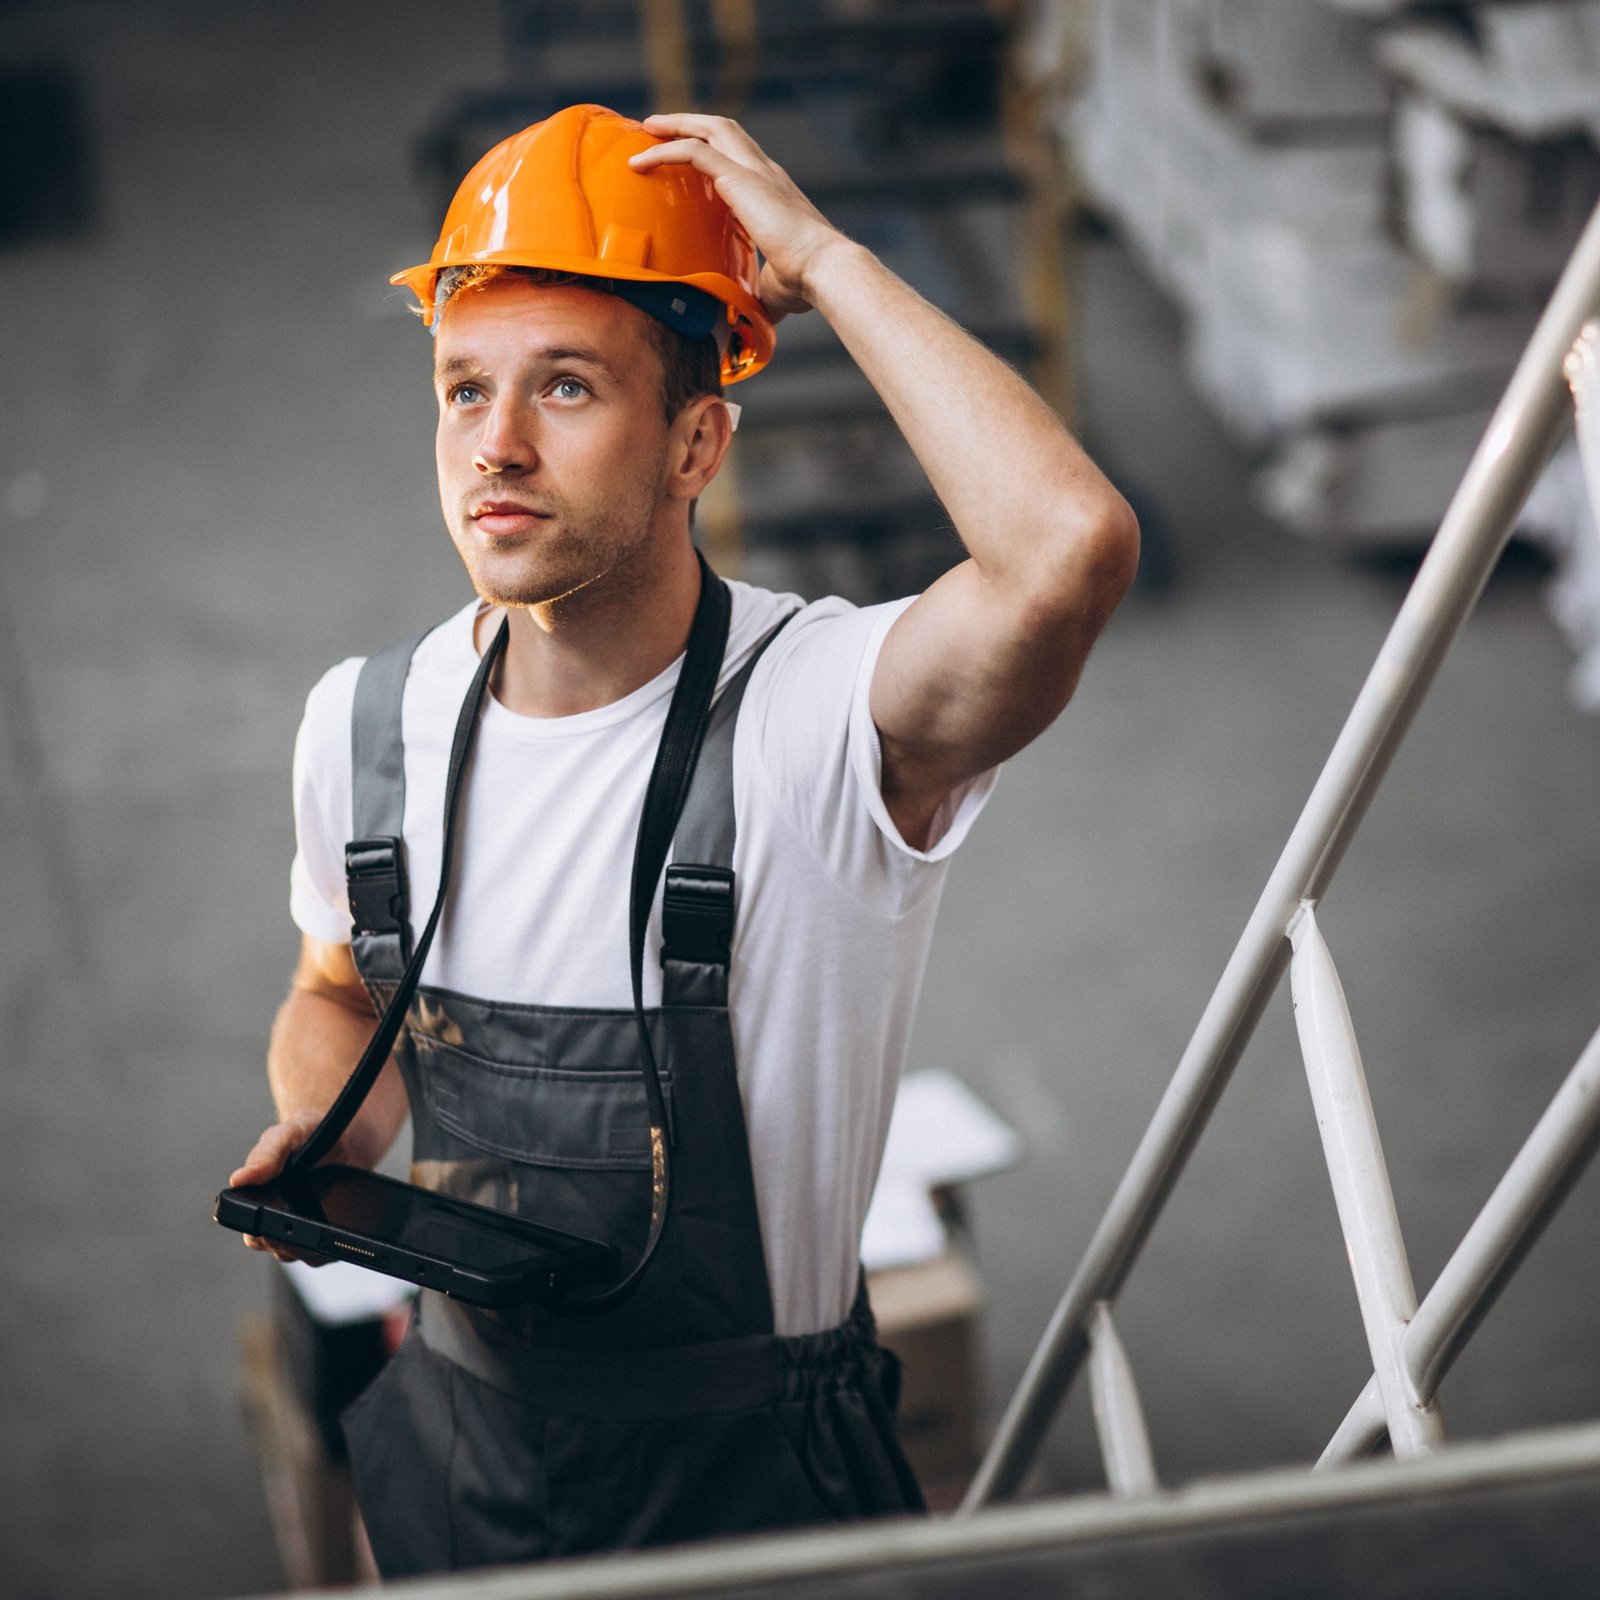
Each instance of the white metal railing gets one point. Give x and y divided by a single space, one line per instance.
1360 1182
1535 1183
1412 1346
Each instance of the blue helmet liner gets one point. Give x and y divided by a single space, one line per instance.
686 310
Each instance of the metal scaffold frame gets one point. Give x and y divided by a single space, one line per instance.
1412 1346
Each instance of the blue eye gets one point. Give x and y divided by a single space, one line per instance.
568 389
464 393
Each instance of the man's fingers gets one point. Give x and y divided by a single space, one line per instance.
272 1149
721 133
264 1161
694 153
263 1164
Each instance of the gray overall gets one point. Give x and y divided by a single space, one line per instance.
514 1435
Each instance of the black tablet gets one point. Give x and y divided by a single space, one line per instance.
468 1251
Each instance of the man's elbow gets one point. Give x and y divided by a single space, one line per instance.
1114 558
1088 567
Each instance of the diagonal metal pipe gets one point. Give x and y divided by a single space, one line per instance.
1552 1159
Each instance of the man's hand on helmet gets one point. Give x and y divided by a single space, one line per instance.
787 229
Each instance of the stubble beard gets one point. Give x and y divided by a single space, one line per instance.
567 554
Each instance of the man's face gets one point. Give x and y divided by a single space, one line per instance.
552 446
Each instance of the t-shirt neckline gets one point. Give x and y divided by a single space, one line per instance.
580 723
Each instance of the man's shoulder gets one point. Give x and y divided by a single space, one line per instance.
441 654
829 630
447 648
811 683
333 693
444 648
757 611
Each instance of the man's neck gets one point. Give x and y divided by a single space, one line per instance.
598 645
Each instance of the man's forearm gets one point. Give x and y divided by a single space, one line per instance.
316 1042
1017 485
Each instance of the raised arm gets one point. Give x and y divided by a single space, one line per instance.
987 658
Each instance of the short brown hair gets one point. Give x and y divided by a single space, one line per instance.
689 367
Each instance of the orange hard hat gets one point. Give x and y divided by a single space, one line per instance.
562 195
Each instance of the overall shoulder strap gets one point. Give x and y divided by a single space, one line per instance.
697 901
365 1073
671 777
374 859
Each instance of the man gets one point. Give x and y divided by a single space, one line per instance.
578 342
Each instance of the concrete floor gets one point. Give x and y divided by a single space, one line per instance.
227 415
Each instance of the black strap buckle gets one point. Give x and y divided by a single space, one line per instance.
375 879
697 915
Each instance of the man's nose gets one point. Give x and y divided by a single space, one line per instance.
505 443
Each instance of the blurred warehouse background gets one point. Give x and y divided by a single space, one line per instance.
1273 257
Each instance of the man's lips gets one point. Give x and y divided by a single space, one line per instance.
506 516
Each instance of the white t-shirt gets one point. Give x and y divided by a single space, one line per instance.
835 911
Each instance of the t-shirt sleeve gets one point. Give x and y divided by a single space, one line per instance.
322 809
818 752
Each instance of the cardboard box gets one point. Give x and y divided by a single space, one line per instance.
928 1316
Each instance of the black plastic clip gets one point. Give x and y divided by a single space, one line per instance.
375 879
697 915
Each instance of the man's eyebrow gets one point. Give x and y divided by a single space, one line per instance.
575 352
550 355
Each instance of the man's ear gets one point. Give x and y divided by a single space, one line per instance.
700 439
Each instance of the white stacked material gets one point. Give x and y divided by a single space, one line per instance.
1118 128
1497 170
1531 67
1360 208
1495 162
1480 207
1305 323
1285 61
1184 128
